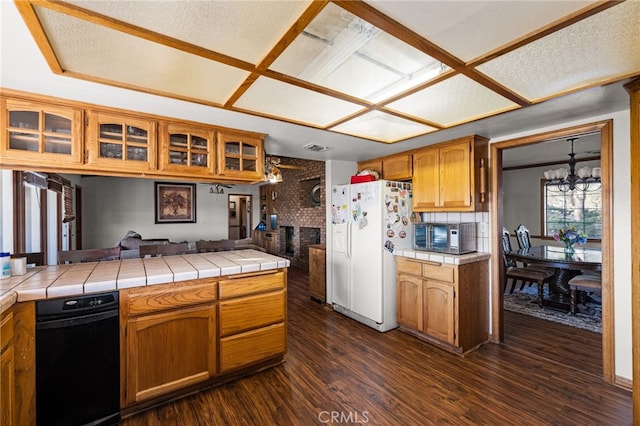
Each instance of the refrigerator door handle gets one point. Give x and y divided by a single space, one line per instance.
349 238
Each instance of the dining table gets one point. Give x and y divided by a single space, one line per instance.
566 264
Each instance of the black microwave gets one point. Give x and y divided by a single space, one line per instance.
452 238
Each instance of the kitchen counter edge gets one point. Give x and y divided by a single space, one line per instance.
443 258
10 297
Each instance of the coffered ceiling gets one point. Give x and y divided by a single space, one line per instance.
383 70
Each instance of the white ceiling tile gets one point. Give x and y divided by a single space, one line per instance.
246 30
98 51
452 101
278 99
382 127
469 29
601 47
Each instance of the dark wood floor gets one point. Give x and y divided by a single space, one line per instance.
338 371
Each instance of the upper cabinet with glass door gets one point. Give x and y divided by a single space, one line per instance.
187 149
40 134
121 143
241 156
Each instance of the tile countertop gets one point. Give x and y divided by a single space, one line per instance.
451 259
45 282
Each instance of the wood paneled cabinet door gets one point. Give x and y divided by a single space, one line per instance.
426 179
40 134
397 167
448 177
455 175
121 143
317 273
7 371
187 149
375 164
169 350
240 156
439 311
409 303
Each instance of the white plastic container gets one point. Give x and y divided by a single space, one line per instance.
5 265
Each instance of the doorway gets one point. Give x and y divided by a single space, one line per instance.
239 214
605 128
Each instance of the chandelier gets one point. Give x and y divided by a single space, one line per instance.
563 180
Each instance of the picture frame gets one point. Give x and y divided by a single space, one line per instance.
175 202
232 205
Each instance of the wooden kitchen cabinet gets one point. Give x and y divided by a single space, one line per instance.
451 176
268 240
121 142
7 370
40 134
409 301
398 167
187 150
253 310
317 272
168 338
374 164
241 156
392 167
444 304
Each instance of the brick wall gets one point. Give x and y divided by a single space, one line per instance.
295 207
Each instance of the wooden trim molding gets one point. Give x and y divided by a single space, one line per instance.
634 90
605 128
19 236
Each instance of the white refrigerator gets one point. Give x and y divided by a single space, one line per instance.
369 222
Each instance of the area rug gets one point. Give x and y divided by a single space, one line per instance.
589 317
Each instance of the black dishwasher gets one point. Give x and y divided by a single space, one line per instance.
78 360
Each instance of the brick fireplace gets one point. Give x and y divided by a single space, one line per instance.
300 205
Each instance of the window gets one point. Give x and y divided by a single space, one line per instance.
581 209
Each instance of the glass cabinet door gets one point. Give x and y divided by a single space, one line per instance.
187 148
122 141
40 132
240 156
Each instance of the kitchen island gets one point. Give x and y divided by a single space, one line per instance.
230 307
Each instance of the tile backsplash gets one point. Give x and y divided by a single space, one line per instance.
480 218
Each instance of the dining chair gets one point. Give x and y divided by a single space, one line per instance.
523 237
33 258
508 263
157 250
591 283
204 246
528 274
88 255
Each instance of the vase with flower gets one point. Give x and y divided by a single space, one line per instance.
569 236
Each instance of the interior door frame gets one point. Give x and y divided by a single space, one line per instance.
243 209
497 266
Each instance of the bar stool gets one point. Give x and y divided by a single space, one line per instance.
591 283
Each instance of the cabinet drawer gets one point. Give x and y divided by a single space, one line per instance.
6 330
249 284
251 312
438 272
410 267
141 300
253 346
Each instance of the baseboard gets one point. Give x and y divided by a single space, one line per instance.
623 383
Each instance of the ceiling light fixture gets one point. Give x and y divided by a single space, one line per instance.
216 189
563 180
272 171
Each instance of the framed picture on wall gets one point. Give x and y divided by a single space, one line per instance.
175 202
